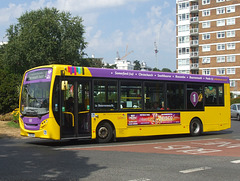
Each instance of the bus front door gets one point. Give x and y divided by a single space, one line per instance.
76 110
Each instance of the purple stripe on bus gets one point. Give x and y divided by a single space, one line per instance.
131 74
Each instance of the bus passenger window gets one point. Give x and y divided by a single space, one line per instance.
105 95
194 96
210 93
131 95
153 96
221 95
175 96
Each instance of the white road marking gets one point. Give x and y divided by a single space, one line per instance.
195 170
235 161
141 179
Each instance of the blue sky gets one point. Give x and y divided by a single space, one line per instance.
113 25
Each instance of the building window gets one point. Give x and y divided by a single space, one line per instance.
184 5
206 71
206 48
184 71
221 34
220 10
221 22
220 46
206 12
221 71
231 33
232 83
220 59
206 60
230 70
230 46
183 17
230 9
231 21
183 28
206 36
183 51
231 58
206 24
218 1
204 2
183 62
183 39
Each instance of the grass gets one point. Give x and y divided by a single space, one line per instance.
13 124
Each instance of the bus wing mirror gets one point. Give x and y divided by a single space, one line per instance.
64 85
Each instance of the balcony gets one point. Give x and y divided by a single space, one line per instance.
194 66
194 42
194 8
194 19
194 54
194 31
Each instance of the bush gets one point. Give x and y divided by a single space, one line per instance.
9 91
235 100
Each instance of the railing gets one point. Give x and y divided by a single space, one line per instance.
194 42
194 19
194 66
194 31
193 54
194 8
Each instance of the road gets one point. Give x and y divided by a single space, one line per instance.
213 156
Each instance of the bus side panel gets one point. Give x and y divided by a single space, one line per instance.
219 117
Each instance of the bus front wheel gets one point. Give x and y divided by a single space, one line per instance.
104 132
196 127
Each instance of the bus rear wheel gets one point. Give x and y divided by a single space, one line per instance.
196 127
104 132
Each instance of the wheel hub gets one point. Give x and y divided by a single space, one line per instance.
103 132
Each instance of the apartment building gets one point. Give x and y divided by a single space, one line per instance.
208 38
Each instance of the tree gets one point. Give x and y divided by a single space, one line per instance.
41 37
166 70
156 69
9 91
137 65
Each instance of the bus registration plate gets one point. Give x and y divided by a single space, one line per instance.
31 134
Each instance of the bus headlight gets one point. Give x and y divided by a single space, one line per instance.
43 124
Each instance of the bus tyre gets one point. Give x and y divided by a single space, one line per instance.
104 132
196 127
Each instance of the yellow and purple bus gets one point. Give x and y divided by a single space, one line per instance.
69 102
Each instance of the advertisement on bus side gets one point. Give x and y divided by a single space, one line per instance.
153 118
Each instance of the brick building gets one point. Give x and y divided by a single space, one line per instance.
208 38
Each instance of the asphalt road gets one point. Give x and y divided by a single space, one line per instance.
213 156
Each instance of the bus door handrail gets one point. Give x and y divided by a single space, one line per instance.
72 117
82 112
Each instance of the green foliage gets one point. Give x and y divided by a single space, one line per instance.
13 124
92 62
137 65
41 37
235 100
114 66
163 70
166 70
9 91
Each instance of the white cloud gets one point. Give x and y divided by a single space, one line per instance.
11 12
86 5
